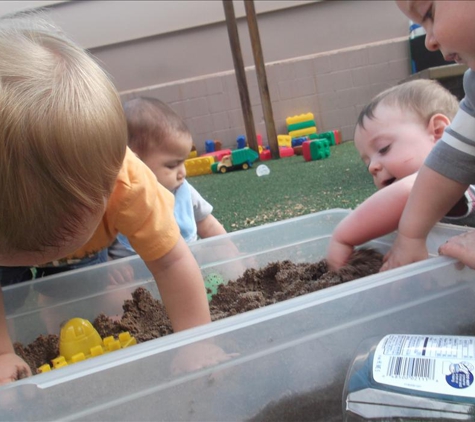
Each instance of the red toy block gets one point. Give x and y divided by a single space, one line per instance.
265 155
286 152
306 151
298 150
337 134
218 155
259 139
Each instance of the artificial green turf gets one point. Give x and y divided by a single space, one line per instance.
294 187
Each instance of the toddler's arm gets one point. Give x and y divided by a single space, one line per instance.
181 287
209 227
432 197
12 367
375 217
183 293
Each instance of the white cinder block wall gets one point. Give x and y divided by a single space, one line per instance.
333 85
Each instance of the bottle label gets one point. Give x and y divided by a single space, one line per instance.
434 364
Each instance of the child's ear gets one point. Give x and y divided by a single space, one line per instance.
437 124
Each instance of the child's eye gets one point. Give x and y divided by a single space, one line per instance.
428 15
384 150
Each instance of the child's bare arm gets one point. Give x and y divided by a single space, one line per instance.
183 293
209 227
432 197
375 217
181 287
12 367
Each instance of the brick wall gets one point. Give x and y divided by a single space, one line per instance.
333 85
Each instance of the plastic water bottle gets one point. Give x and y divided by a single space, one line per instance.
262 170
412 377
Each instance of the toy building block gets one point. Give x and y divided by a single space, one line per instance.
302 132
319 149
212 282
286 152
299 141
218 155
193 153
209 145
241 142
284 140
301 125
259 139
198 166
329 136
298 150
337 134
299 118
306 151
79 340
265 155
217 145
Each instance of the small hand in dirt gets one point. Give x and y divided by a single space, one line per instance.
12 368
198 356
338 255
121 275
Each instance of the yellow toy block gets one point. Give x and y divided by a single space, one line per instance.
299 118
284 140
193 154
302 132
199 165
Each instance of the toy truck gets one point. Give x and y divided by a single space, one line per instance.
238 159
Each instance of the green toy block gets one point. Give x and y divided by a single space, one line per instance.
319 149
330 136
212 282
301 125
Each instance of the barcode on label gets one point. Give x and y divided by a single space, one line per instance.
412 368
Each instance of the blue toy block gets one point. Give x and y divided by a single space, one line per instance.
241 142
296 142
209 146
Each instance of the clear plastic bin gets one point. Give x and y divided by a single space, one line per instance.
294 353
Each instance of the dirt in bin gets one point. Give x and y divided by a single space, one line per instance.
145 317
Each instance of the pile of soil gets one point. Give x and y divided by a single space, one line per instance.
145 317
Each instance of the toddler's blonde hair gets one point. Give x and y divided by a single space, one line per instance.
63 136
424 97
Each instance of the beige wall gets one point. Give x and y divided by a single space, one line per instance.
333 85
328 57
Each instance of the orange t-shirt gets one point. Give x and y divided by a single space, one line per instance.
141 209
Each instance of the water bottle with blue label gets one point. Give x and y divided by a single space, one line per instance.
404 377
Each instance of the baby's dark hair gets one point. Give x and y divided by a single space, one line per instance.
423 97
151 122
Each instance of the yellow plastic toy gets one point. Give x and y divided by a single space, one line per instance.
79 340
299 118
198 166
284 141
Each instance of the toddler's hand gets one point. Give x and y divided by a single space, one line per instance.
404 251
338 255
461 247
198 356
12 368
121 275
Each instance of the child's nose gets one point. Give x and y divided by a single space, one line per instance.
431 42
374 167
182 172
